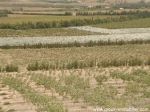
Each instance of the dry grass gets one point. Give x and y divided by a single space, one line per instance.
23 57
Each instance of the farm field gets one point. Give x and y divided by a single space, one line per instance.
83 90
75 78
74 56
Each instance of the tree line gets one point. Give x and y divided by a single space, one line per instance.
136 13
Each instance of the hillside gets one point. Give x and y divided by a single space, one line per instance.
79 1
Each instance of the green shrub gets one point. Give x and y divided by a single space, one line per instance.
9 68
33 66
100 79
73 65
124 62
135 62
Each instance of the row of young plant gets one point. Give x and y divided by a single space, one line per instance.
44 103
68 23
58 65
139 76
79 88
38 65
138 82
9 68
44 65
101 95
76 44
137 86
72 85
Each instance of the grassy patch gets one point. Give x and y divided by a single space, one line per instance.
137 23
